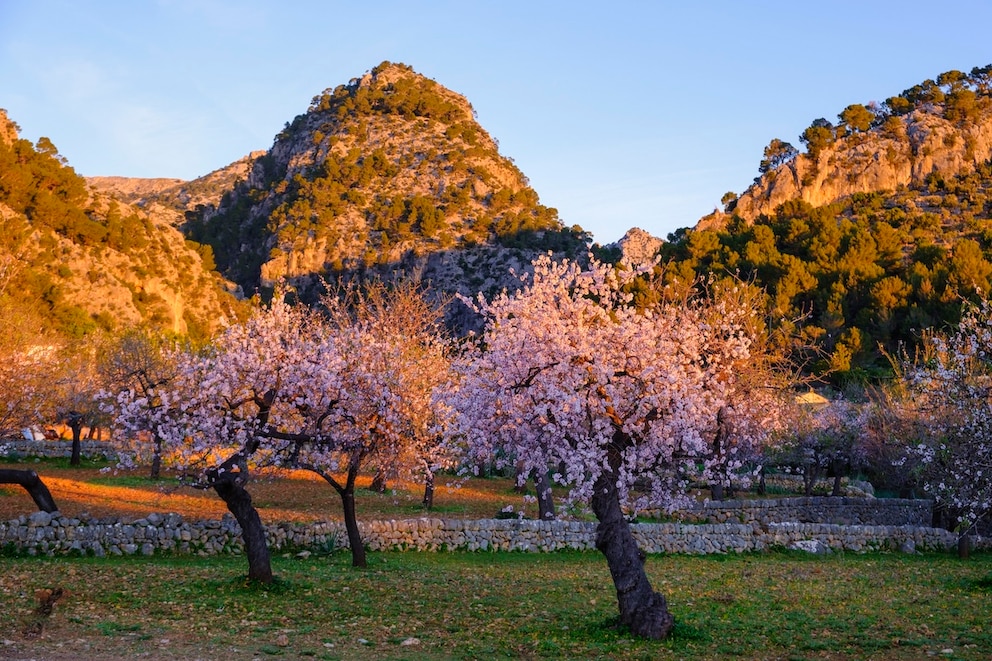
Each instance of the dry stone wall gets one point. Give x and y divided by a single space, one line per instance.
841 510
819 523
53 534
55 449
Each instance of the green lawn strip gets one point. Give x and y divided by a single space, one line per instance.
503 606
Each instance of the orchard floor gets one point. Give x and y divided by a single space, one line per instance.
891 607
554 606
297 496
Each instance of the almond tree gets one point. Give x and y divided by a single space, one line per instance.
950 399
22 384
73 390
828 439
138 360
213 415
386 348
292 388
403 320
28 361
568 375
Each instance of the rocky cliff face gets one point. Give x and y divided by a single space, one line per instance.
902 153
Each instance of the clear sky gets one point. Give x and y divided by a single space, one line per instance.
622 114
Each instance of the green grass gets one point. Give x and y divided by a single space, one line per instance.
502 606
41 463
132 480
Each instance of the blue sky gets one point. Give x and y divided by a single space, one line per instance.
622 114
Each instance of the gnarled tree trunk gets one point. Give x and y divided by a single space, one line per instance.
228 486
28 479
642 609
351 525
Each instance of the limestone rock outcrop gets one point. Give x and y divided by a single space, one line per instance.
923 143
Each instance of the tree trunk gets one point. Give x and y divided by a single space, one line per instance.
642 609
545 501
379 482
351 525
76 424
428 500
839 467
810 477
347 493
238 500
964 546
836 491
720 441
156 459
28 479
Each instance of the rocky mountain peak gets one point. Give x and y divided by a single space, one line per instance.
946 132
385 172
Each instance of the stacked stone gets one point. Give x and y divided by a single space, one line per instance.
57 448
860 539
842 510
694 539
53 534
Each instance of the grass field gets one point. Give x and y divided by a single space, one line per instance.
499 606
462 605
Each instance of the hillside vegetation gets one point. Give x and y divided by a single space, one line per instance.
873 233
388 172
879 231
74 261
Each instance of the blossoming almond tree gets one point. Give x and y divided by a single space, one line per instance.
568 375
831 438
402 342
389 356
213 416
951 401
138 360
292 388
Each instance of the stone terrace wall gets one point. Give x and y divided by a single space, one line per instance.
53 534
842 510
55 449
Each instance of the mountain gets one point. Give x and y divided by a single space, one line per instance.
74 259
176 195
877 233
388 174
937 127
